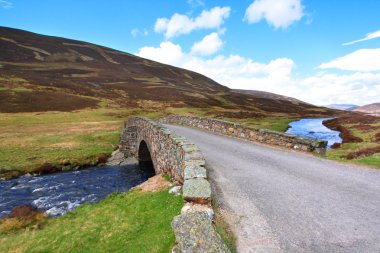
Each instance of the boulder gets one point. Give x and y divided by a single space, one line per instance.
176 190
195 233
116 159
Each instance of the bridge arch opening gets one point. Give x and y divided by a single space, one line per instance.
145 159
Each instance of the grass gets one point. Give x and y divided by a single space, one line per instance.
367 135
28 140
127 222
276 124
34 219
17 89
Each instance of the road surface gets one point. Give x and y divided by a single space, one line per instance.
284 201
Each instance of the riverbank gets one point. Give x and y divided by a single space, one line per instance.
42 143
360 144
60 193
133 221
115 159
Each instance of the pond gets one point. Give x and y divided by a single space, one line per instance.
314 128
61 192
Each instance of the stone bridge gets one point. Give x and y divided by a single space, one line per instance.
275 200
156 146
170 154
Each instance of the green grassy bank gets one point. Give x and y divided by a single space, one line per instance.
127 222
31 140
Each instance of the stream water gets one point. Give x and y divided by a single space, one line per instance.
313 128
61 192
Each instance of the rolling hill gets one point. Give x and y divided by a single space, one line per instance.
269 95
344 107
45 73
373 109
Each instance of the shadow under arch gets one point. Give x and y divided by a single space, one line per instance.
145 159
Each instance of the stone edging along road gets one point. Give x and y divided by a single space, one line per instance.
176 157
235 130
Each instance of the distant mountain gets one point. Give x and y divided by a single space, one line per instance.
373 109
344 107
45 73
268 95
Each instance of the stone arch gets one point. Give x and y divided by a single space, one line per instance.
144 157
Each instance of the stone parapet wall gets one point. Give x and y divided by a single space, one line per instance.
176 157
235 130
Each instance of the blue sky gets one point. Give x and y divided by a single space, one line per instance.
291 47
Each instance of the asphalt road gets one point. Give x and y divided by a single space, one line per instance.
284 201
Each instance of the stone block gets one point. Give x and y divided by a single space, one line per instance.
190 148
193 207
196 155
197 190
193 163
194 172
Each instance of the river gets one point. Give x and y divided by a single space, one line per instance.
314 128
59 193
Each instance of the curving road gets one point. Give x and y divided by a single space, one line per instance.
283 201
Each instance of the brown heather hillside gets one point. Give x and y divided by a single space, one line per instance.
269 95
44 73
373 109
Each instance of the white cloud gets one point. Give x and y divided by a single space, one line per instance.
5 4
275 76
210 44
135 32
278 13
196 3
356 88
167 52
233 71
182 24
359 60
369 36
